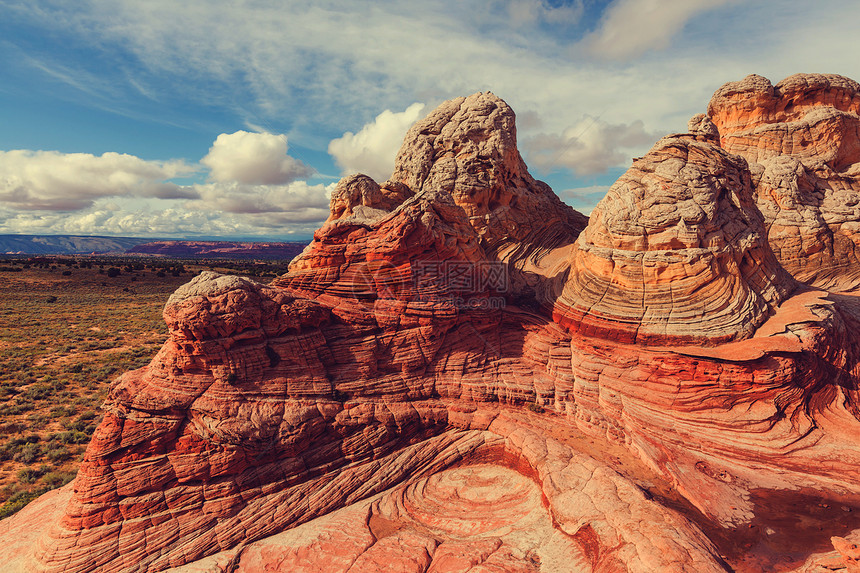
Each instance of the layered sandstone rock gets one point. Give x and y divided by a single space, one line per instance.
466 198
802 139
488 517
453 377
467 148
675 252
362 198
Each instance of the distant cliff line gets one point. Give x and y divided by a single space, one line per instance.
84 245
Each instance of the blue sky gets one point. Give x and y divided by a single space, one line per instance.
158 118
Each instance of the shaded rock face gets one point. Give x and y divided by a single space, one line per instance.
802 139
455 376
361 198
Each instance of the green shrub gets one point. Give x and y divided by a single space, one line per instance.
78 425
17 501
61 412
29 453
72 437
57 479
534 407
37 392
30 475
37 421
12 428
57 453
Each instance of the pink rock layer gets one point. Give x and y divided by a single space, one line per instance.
455 376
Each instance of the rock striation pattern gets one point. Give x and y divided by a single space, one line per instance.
675 252
461 373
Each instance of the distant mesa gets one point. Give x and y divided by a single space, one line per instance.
462 373
220 249
86 245
65 244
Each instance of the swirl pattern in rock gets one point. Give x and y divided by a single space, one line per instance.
675 252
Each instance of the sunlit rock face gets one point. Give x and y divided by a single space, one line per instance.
802 140
461 373
467 148
676 252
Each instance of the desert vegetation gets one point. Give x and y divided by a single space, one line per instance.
69 327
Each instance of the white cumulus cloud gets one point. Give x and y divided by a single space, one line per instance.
630 27
54 181
299 200
253 158
589 147
373 149
120 194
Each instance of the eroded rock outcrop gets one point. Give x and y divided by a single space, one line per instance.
675 252
802 139
470 201
363 199
467 149
455 376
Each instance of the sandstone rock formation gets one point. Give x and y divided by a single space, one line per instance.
459 375
361 197
675 252
802 139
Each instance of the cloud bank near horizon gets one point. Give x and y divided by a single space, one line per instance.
54 181
254 187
